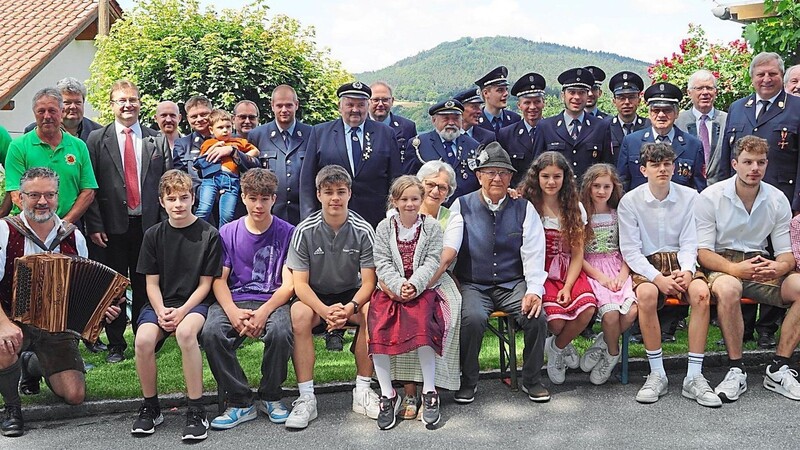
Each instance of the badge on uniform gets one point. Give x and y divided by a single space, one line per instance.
367 147
783 143
749 103
272 134
415 142
680 139
685 169
299 133
472 163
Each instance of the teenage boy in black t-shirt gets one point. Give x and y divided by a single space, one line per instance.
179 258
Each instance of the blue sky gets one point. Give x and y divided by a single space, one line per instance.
371 34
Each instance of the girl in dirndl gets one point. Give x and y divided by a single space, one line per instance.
568 302
404 315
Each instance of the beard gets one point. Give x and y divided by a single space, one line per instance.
449 134
38 216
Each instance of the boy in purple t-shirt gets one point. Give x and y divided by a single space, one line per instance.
252 296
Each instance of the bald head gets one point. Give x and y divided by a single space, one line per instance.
168 117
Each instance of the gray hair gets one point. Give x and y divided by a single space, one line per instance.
246 102
433 168
38 172
701 75
71 85
48 92
789 71
332 175
382 83
764 58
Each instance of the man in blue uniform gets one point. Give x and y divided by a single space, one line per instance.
447 143
662 102
472 101
380 110
627 88
494 90
595 92
517 139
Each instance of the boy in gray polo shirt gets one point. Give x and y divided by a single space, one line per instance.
330 256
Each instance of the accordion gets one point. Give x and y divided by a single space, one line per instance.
59 293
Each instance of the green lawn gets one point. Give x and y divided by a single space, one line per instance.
119 381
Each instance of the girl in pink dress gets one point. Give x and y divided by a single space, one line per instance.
568 302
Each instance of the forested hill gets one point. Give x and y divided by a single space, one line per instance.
452 66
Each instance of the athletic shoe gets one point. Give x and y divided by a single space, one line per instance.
196 428
430 413
12 425
556 367
234 416
653 388
593 354
149 418
304 410
602 370
366 402
571 357
466 394
276 411
734 385
409 407
538 393
784 382
387 416
697 388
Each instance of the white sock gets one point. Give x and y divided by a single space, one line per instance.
656 360
427 361
306 387
695 365
383 370
363 382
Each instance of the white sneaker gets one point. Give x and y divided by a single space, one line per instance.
655 387
593 354
556 367
366 402
697 388
571 357
602 370
304 410
784 382
732 386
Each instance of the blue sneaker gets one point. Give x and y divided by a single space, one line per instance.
276 411
234 416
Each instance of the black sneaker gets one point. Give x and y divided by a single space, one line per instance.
12 425
387 415
196 428
766 341
537 393
115 355
430 413
334 341
466 394
28 384
97 347
149 417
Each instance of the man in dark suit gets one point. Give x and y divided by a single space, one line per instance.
662 102
128 165
627 88
517 139
367 149
472 101
283 143
705 122
380 110
446 143
574 133
494 89
595 93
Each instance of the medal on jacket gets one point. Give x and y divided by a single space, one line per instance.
783 143
684 169
367 147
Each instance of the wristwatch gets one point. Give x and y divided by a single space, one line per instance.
355 306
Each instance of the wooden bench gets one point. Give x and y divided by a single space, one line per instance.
506 332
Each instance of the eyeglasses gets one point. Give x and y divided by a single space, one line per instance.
704 88
627 97
377 100
123 101
493 173
35 196
443 188
250 117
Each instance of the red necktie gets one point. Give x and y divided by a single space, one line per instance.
131 175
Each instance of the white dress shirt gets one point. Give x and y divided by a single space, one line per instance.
723 223
137 145
648 226
31 248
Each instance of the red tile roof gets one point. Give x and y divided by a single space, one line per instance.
33 32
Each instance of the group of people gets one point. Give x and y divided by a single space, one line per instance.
413 239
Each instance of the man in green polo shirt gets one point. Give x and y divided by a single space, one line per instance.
49 146
5 140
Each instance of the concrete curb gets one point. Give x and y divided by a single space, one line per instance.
60 411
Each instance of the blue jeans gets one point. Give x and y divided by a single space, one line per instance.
227 185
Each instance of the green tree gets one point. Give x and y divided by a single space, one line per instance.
172 50
780 33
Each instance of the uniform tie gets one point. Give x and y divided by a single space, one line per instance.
286 139
765 105
574 132
356 148
627 128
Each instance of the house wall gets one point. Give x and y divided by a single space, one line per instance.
73 61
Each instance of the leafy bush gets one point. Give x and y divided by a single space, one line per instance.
779 34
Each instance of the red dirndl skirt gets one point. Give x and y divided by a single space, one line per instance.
396 328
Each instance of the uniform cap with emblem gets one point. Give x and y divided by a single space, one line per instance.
663 94
450 106
529 85
355 89
598 74
469 96
497 77
626 82
493 155
577 78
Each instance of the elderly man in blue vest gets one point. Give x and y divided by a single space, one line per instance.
505 235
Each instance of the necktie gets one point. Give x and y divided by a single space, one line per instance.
496 124
356 149
703 132
627 128
450 151
286 139
765 105
532 134
663 139
574 124
131 175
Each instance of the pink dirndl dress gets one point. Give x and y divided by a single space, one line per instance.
602 253
557 259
